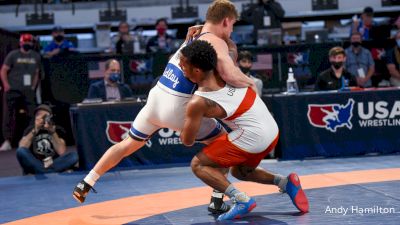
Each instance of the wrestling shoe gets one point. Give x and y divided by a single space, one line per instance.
296 193
243 204
217 204
81 190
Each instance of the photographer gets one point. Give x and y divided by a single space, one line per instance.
42 149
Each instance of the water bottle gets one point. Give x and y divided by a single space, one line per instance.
291 83
136 44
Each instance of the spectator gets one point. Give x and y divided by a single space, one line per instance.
162 42
264 14
396 26
393 62
110 88
245 61
59 45
364 24
122 43
335 77
42 149
20 76
359 61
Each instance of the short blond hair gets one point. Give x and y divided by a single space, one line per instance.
219 10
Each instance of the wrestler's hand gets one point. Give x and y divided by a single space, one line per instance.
193 31
254 87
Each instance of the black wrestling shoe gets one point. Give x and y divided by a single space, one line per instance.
81 190
217 204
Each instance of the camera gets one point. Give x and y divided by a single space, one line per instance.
48 119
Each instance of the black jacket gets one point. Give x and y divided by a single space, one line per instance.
328 81
256 12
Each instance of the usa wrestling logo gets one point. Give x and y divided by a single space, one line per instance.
117 130
331 116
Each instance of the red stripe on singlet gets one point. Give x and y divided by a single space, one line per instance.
245 105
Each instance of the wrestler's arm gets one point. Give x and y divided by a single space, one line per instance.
230 73
233 53
195 111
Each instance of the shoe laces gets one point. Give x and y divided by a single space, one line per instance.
93 190
85 185
224 206
241 197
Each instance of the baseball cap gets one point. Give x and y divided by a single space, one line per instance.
43 107
58 29
369 11
336 51
25 38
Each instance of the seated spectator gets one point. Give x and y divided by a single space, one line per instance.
110 88
393 62
359 61
396 26
59 45
364 24
42 149
245 61
122 43
162 42
335 77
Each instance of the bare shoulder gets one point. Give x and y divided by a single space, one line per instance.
196 104
215 41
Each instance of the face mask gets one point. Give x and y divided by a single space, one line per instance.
356 44
59 38
245 70
114 77
398 42
27 47
161 31
337 65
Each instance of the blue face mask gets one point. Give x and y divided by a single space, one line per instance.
398 42
114 77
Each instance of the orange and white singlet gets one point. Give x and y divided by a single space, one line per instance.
253 127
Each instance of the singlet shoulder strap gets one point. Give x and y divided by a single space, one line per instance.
198 36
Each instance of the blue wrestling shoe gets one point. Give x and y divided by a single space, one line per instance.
242 205
296 193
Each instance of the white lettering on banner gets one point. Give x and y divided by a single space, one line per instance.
169 74
170 141
166 137
379 123
165 132
149 143
370 111
379 110
395 110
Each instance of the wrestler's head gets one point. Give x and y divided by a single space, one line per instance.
197 60
224 14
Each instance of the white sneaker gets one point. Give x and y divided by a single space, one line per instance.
6 146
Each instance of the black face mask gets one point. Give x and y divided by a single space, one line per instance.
59 38
356 44
27 47
245 70
337 65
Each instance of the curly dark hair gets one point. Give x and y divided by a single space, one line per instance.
201 54
245 55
